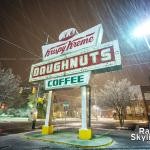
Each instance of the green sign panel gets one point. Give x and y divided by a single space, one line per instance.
68 81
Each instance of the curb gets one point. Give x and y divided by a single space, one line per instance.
77 145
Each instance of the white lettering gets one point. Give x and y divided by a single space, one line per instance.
105 55
49 68
143 137
84 60
141 130
138 137
146 131
36 72
74 62
133 137
65 64
57 66
42 70
93 55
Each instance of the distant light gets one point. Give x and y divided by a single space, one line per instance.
95 107
143 29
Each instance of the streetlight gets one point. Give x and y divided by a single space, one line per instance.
143 31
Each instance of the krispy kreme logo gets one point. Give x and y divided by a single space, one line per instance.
70 45
71 41
68 34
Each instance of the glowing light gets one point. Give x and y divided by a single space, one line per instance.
143 29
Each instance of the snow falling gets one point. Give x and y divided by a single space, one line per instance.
26 24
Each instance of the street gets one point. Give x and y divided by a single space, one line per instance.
121 138
121 141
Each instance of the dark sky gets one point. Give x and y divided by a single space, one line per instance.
24 22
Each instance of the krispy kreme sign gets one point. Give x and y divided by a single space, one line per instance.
102 57
71 41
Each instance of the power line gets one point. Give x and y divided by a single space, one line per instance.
16 45
136 64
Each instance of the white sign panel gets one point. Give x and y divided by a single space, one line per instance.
101 58
89 38
68 81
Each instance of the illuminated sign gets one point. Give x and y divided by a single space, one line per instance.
102 57
71 41
68 81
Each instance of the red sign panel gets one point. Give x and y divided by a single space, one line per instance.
107 55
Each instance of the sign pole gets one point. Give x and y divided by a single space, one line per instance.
84 133
84 117
47 128
89 97
47 120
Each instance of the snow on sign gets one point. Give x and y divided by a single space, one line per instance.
68 81
71 41
100 58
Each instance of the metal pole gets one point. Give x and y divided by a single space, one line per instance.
89 96
47 120
65 118
83 93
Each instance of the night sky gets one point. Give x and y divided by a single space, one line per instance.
24 24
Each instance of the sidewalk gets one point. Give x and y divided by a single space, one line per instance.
71 138
22 124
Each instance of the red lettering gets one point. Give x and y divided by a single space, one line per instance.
61 48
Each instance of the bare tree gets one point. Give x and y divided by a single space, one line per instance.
116 94
9 85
